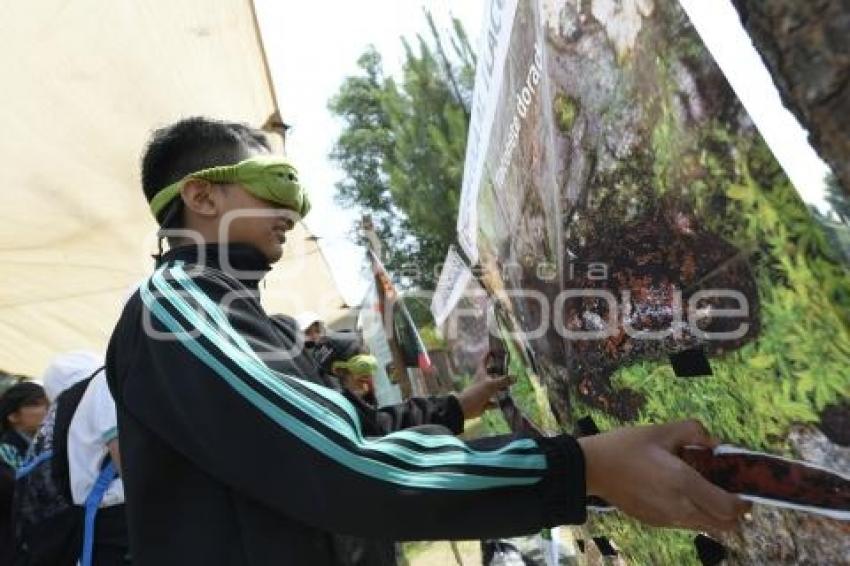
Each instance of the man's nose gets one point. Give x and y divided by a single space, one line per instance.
288 217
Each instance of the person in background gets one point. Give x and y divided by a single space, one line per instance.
22 409
71 450
92 441
349 362
68 369
312 326
357 375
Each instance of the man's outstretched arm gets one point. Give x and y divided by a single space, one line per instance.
201 388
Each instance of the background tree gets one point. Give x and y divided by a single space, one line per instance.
402 147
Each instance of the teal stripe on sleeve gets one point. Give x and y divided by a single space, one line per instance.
274 381
215 312
11 456
366 466
109 435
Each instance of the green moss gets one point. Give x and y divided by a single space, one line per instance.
642 545
668 140
732 186
493 423
602 419
566 111
796 365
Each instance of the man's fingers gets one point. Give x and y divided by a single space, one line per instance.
680 513
708 496
689 515
721 505
491 385
688 433
698 519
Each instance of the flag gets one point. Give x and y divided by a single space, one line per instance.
397 320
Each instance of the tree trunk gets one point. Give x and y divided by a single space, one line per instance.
806 47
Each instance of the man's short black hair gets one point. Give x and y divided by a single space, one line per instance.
193 144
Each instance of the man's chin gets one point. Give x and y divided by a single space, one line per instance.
274 253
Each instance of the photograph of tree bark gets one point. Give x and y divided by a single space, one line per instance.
615 162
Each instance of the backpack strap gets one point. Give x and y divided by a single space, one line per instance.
107 475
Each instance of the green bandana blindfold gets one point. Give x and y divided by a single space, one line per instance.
361 364
270 178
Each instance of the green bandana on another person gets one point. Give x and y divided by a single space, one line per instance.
361 364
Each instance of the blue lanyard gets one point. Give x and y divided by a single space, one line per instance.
30 465
104 479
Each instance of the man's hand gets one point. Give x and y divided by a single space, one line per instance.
476 397
637 470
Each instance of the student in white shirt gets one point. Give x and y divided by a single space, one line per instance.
92 436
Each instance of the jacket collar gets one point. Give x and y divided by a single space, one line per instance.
17 439
242 261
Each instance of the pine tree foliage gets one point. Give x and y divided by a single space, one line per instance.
403 144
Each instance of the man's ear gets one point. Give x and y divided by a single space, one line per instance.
201 197
14 418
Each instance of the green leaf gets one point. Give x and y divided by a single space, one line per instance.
805 385
761 361
740 192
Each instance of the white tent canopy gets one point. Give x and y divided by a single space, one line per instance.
84 83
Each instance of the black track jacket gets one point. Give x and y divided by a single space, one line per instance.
233 454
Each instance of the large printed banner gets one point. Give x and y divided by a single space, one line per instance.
454 280
646 252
